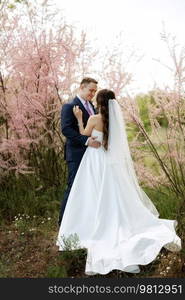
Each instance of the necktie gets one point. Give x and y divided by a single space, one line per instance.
87 107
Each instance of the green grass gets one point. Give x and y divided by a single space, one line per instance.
166 203
17 197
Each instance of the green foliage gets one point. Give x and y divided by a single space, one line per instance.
25 195
162 119
71 259
56 272
4 267
143 104
13 4
2 120
71 242
49 166
132 130
74 260
165 201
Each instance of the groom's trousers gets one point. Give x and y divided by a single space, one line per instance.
72 170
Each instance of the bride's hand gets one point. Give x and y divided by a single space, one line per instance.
77 112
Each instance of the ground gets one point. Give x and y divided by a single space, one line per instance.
28 250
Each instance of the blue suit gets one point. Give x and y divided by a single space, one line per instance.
75 143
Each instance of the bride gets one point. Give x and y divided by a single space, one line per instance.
107 210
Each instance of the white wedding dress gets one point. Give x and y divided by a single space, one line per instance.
105 211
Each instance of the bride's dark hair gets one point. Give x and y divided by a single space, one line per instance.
102 100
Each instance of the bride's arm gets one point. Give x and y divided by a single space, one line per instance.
89 127
90 124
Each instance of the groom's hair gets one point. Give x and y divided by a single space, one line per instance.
87 80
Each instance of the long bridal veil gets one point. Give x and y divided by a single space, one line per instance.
119 152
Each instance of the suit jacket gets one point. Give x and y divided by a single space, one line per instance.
75 142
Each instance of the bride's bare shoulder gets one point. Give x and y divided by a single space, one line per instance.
97 116
97 121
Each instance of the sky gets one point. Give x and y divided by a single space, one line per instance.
141 23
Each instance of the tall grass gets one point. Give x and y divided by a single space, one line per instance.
23 195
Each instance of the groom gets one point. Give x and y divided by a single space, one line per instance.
76 143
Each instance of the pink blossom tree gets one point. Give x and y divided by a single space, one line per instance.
166 142
40 62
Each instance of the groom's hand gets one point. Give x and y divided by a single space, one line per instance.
93 143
